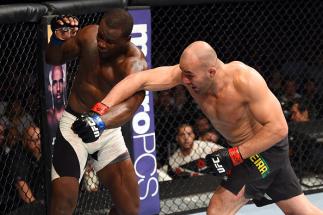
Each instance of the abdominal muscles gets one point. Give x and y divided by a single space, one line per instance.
238 131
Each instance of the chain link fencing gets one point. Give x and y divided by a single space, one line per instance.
281 39
22 187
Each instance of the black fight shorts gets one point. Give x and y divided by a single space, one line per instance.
266 174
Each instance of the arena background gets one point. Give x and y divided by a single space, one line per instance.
281 39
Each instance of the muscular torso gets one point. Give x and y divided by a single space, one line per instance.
96 77
229 114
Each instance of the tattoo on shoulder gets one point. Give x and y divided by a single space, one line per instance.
139 66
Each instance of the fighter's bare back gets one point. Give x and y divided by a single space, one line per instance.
96 76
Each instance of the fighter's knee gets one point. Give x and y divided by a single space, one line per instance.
63 208
210 211
219 210
289 212
305 210
63 204
214 207
221 206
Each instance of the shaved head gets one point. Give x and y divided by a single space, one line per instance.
199 52
199 63
118 18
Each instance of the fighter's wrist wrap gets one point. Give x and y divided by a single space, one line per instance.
235 156
100 108
54 40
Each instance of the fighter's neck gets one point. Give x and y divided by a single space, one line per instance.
221 79
113 58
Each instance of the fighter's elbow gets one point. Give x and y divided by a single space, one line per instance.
134 102
137 98
281 130
141 95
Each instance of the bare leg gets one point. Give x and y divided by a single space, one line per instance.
225 202
64 196
298 205
121 180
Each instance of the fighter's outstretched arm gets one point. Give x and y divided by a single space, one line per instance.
122 106
160 78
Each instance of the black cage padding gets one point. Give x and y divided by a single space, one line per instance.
83 6
21 13
181 2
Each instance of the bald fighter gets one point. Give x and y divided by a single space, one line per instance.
240 106
106 56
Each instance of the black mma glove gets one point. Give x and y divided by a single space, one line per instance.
223 160
89 126
63 23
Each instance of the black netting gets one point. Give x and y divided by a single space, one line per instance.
282 40
22 169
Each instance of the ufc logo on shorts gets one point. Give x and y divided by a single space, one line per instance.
94 128
218 166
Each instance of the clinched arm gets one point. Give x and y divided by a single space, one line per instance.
266 109
160 78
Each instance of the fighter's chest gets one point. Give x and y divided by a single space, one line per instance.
102 73
223 109
107 73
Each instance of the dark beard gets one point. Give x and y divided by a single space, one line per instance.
59 103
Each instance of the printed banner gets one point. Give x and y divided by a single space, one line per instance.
56 99
143 125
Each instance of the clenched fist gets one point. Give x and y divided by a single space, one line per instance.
89 126
63 28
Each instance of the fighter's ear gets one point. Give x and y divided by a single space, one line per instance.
212 71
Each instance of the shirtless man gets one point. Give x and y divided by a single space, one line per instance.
106 56
56 88
240 106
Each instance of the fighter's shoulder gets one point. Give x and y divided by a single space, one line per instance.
135 60
238 67
243 75
135 52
